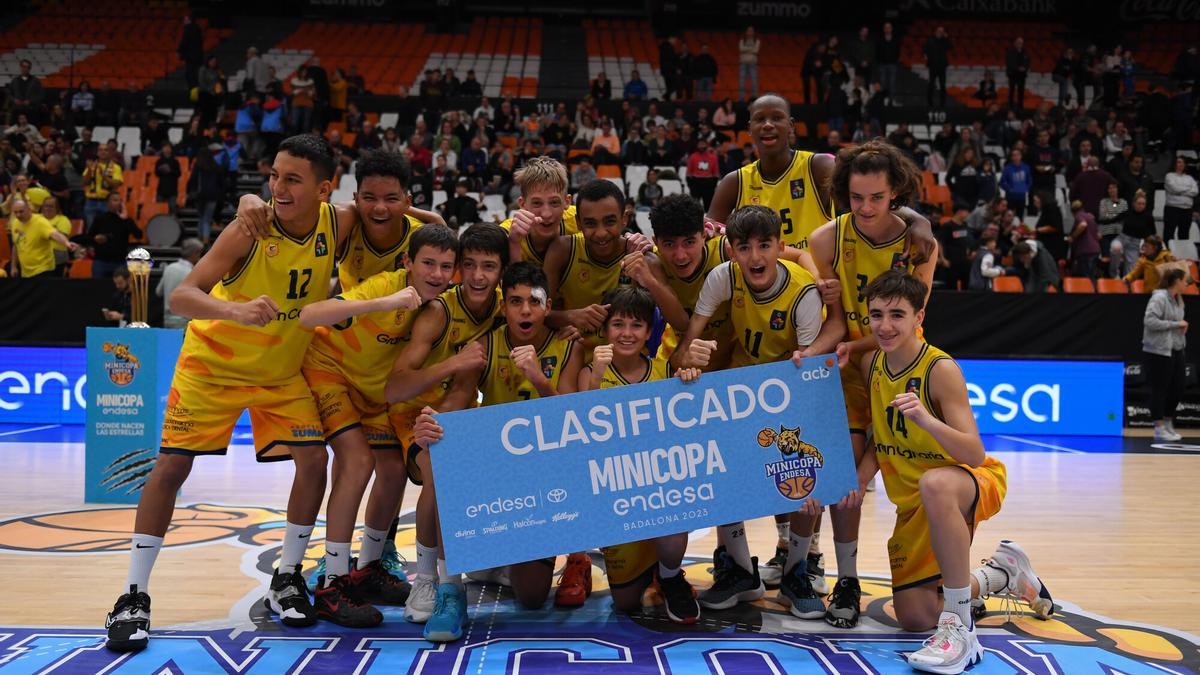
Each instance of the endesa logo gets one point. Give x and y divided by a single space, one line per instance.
43 384
1083 398
503 505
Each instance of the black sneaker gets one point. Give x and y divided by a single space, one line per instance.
797 593
129 623
337 602
680 599
731 583
288 598
377 586
844 603
816 573
772 572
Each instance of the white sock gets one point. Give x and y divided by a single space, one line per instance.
734 538
427 561
665 572
958 601
991 579
337 558
783 529
797 550
847 558
815 547
143 550
444 577
371 548
295 541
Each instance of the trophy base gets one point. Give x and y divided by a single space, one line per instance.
138 324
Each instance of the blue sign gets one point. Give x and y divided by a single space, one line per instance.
42 384
538 478
1080 398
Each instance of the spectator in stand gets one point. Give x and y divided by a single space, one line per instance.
748 48
601 88
983 266
452 83
1016 67
1046 161
33 239
1137 226
1035 266
813 70
245 125
1118 165
1164 338
1049 228
190 252
860 53
443 176
986 93
606 147
557 136
635 88
704 69
1065 69
1153 254
1181 196
303 101
725 117
585 135
391 141
831 144
25 92
649 192
1137 180
1016 180
887 52
1110 217
685 75
668 64
446 151
205 190
963 178
956 244
660 147
1079 160
191 50
53 214
1117 138
460 209
168 171
52 178
986 181
109 236
211 88
273 125
367 139
257 75
418 154
470 87
83 102
474 156
23 133
101 177
1127 66
339 89
633 150
703 172
21 189
121 300
1085 242
582 173
937 59
1090 186
485 108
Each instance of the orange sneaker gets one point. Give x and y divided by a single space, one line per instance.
575 584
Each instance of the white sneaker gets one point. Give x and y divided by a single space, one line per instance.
1166 434
419 606
492 575
950 650
1023 582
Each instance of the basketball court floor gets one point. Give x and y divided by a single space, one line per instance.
1111 524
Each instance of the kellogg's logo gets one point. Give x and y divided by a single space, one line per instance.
124 366
795 475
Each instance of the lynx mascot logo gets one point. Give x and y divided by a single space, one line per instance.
795 475
124 366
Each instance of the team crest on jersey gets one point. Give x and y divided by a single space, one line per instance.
797 188
584 274
272 249
124 365
899 261
848 254
454 334
322 248
754 200
795 472
400 316
913 386
778 319
739 301
548 364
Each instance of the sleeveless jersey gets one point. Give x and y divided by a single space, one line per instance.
362 260
363 348
795 196
764 330
293 272
688 290
462 328
569 225
503 382
657 369
905 450
585 281
857 261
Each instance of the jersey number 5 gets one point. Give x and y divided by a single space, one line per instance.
786 220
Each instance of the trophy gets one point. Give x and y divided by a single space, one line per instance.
138 262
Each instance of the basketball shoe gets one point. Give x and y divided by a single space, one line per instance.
288 597
680 599
796 592
731 583
421 600
128 623
816 573
575 584
378 587
950 650
772 572
337 601
1020 579
844 603
449 615
393 562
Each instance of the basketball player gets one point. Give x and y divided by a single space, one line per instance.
245 296
523 360
544 210
942 482
875 182
359 333
632 567
776 311
443 346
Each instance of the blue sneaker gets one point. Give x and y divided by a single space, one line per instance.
316 575
795 589
392 561
449 615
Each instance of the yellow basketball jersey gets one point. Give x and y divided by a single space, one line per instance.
462 328
764 330
363 348
857 261
795 196
584 281
905 450
293 272
657 369
688 290
569 225
363 260
503 382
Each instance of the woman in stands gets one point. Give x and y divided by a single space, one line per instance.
1164 337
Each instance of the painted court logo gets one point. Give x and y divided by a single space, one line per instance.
795 475
123 366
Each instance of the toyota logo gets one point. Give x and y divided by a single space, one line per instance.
556 495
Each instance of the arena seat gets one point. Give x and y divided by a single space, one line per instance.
1078 285
1111 286
1007 284
1138 286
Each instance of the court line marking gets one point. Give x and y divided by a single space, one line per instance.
1040 444
23 431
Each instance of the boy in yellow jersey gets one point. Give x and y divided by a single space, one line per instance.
632 567
874 182
544 210
776 311
523 360
584 266
942 482
243 349
359 333
687 258
443 346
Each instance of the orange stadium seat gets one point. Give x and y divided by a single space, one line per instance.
1138 286
1078 285
1008 284
1111 286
